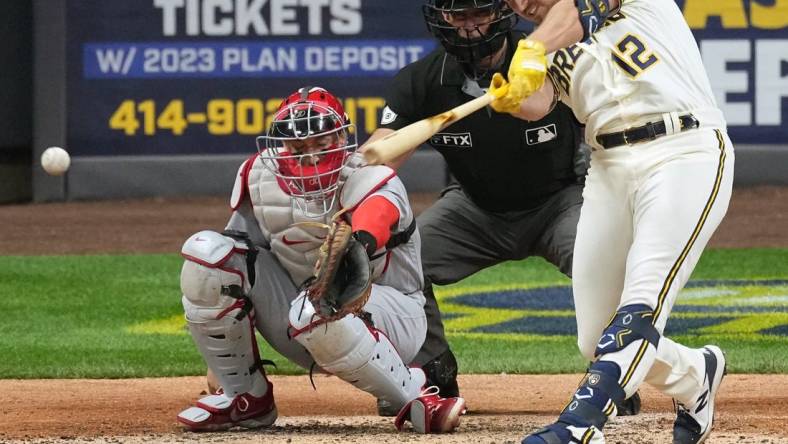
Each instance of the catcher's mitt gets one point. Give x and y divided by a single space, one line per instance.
343 275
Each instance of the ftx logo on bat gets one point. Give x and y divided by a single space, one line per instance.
452 140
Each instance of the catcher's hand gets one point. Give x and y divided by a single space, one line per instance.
343 275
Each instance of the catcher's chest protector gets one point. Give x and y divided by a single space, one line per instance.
296 247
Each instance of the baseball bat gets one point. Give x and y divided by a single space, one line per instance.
409 138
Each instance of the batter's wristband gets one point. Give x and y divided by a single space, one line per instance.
593 14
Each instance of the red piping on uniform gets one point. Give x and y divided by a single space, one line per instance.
244 180
386 266
308 327
376 334
239 303
218 263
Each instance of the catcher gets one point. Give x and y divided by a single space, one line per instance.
321 256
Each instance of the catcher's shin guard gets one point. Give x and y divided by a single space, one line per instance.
351 350
214 282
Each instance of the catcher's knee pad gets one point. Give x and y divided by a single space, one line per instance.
218 268
214 282
355 352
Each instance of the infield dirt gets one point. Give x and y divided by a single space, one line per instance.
503 408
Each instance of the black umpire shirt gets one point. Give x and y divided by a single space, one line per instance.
501 162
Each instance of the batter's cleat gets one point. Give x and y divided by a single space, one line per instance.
693 422
564 433
429 413
219 412
630 406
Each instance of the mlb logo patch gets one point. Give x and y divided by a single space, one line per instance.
542 134
452 140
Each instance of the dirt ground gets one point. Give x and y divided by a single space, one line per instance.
503 408
757 217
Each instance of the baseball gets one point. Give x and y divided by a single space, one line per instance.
55 161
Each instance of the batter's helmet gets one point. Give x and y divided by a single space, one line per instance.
490 22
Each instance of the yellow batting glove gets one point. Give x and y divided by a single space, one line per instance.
528 68
503 103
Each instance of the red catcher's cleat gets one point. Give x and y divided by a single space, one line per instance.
429 413
219 412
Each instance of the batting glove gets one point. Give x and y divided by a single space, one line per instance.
528 69
503 103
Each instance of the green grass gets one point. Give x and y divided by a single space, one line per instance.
121 316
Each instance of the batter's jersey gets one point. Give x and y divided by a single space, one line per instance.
296 246
501 162
643 62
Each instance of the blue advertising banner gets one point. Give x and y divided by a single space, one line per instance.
204 76
744 44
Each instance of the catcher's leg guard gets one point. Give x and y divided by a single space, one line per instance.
220 317
356 353
623 345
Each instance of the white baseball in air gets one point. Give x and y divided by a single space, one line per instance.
55 161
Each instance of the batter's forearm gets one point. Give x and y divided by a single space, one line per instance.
561 27
539 104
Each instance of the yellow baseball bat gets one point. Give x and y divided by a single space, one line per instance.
409 138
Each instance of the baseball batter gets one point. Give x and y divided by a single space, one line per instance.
658 186
249 276
474 225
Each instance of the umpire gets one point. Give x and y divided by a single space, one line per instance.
516 191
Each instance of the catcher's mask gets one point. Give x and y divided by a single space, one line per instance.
306 147
470 30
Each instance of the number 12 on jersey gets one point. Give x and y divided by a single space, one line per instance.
633 57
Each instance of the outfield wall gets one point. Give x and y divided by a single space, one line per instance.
164 97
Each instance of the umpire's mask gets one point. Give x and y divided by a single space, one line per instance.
470 30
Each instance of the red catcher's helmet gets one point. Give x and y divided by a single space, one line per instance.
307 145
